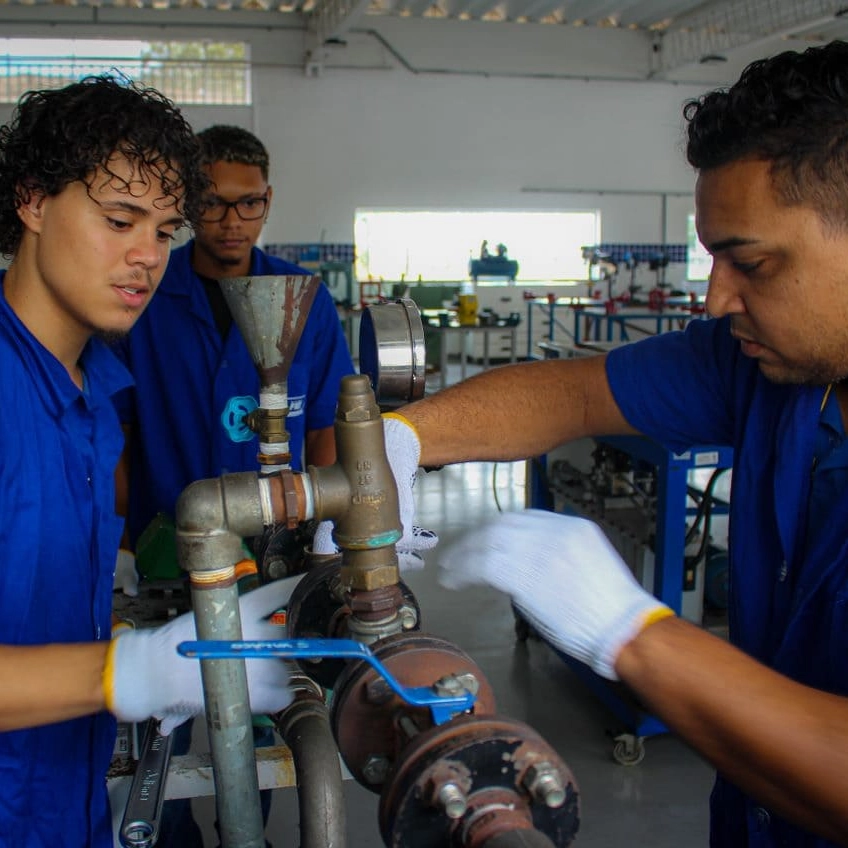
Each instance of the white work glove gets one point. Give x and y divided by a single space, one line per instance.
564 576
125 578
144 675
403 451
322 541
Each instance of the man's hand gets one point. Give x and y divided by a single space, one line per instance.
564 576
144 675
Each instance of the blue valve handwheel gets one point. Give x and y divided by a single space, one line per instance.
232 418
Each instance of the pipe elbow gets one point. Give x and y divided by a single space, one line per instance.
200 507
212 518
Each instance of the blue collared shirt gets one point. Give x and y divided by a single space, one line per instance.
58 540
788 582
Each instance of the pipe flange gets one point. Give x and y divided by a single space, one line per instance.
494 756
370 720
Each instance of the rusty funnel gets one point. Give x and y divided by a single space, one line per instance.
271 312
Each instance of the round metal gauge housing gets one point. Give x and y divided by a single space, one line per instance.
391 351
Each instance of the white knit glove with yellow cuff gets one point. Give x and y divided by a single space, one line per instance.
403 449
145 677
564 576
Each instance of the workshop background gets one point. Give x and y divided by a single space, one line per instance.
509 105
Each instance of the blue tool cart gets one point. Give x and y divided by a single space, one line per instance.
677 508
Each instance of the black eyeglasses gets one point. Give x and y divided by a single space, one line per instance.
249 209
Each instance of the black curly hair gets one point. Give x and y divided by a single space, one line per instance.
59 136
790 110
225 143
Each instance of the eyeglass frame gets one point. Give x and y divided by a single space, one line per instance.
234 204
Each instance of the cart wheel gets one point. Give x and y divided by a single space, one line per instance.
628 750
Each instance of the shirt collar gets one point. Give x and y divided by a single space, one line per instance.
106 375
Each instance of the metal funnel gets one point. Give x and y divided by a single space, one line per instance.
271 312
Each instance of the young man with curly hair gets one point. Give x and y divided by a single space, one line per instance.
767 375
95 179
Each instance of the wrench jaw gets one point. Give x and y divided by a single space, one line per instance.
140 825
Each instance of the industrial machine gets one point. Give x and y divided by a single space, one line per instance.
411 716
497 265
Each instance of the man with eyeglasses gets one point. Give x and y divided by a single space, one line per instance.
189 362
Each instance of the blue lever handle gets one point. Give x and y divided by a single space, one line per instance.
442 707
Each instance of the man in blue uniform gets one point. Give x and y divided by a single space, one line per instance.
766 376
95 179
190 365
189 362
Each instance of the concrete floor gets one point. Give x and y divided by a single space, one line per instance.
660 802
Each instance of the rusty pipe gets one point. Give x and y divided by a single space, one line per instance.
519 839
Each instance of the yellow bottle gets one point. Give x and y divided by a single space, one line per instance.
466 312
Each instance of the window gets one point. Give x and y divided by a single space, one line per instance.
698 261
437 245
188 72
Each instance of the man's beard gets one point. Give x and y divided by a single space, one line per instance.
111 336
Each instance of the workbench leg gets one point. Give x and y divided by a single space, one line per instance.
463 341
443 359
671 534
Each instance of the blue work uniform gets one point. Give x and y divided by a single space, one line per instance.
58 540
788 582
186 374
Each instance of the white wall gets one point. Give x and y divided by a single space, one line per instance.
390 139
375 130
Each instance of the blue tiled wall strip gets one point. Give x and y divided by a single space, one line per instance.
312 252
340 252
618 251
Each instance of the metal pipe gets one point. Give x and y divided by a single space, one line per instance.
212 516
228 717
305 728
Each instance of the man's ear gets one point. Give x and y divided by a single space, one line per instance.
31 208
270 193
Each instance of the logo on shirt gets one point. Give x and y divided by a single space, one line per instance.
296 405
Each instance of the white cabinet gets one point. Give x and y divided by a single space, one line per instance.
505 300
